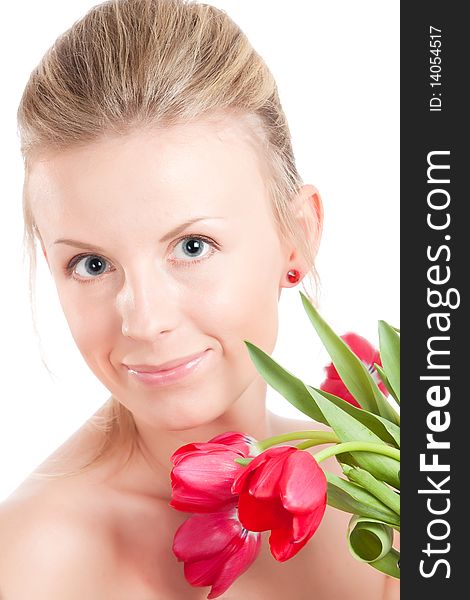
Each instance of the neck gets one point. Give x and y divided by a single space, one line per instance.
148 470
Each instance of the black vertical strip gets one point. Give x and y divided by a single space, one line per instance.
435 320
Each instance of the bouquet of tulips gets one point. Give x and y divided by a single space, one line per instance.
236 486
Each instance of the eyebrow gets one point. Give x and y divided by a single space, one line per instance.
165 238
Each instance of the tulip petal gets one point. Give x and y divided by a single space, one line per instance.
331 372
203 572
305 525
209 468
286 542
224 567
237 564
258 461
261 515
302 485
368 355
202 505
361 347
212 532
202 482
239 441
337 387
199 448
264 480
280 542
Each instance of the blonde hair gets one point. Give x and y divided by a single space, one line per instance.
135 64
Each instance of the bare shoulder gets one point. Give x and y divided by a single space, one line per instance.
46 546
282 424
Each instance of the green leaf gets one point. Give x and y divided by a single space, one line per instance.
284 382
369 540
346 458
350 368
303 398
349 429
387 431
388 564
386 382
296 392
377 488
352 498
390 355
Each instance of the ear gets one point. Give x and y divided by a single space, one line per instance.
310 211
309 215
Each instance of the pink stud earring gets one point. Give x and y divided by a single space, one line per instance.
293 275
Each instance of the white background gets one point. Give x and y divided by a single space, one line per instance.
337 68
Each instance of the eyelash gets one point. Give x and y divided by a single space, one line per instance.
68 269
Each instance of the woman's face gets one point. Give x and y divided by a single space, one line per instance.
140 284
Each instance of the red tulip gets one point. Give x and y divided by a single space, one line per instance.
216 549
367 354
203 472
245 443
282 489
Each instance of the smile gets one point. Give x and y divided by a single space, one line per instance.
167 376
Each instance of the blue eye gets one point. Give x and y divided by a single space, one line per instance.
90 264
195 247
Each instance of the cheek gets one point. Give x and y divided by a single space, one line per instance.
241 303
90 323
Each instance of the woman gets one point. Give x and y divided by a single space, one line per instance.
161 185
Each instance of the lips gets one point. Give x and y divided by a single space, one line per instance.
141 368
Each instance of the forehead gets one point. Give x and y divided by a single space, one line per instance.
203 166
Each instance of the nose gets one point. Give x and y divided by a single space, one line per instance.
148 305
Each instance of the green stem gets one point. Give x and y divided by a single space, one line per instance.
378 488
357 446
314 437
310 443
